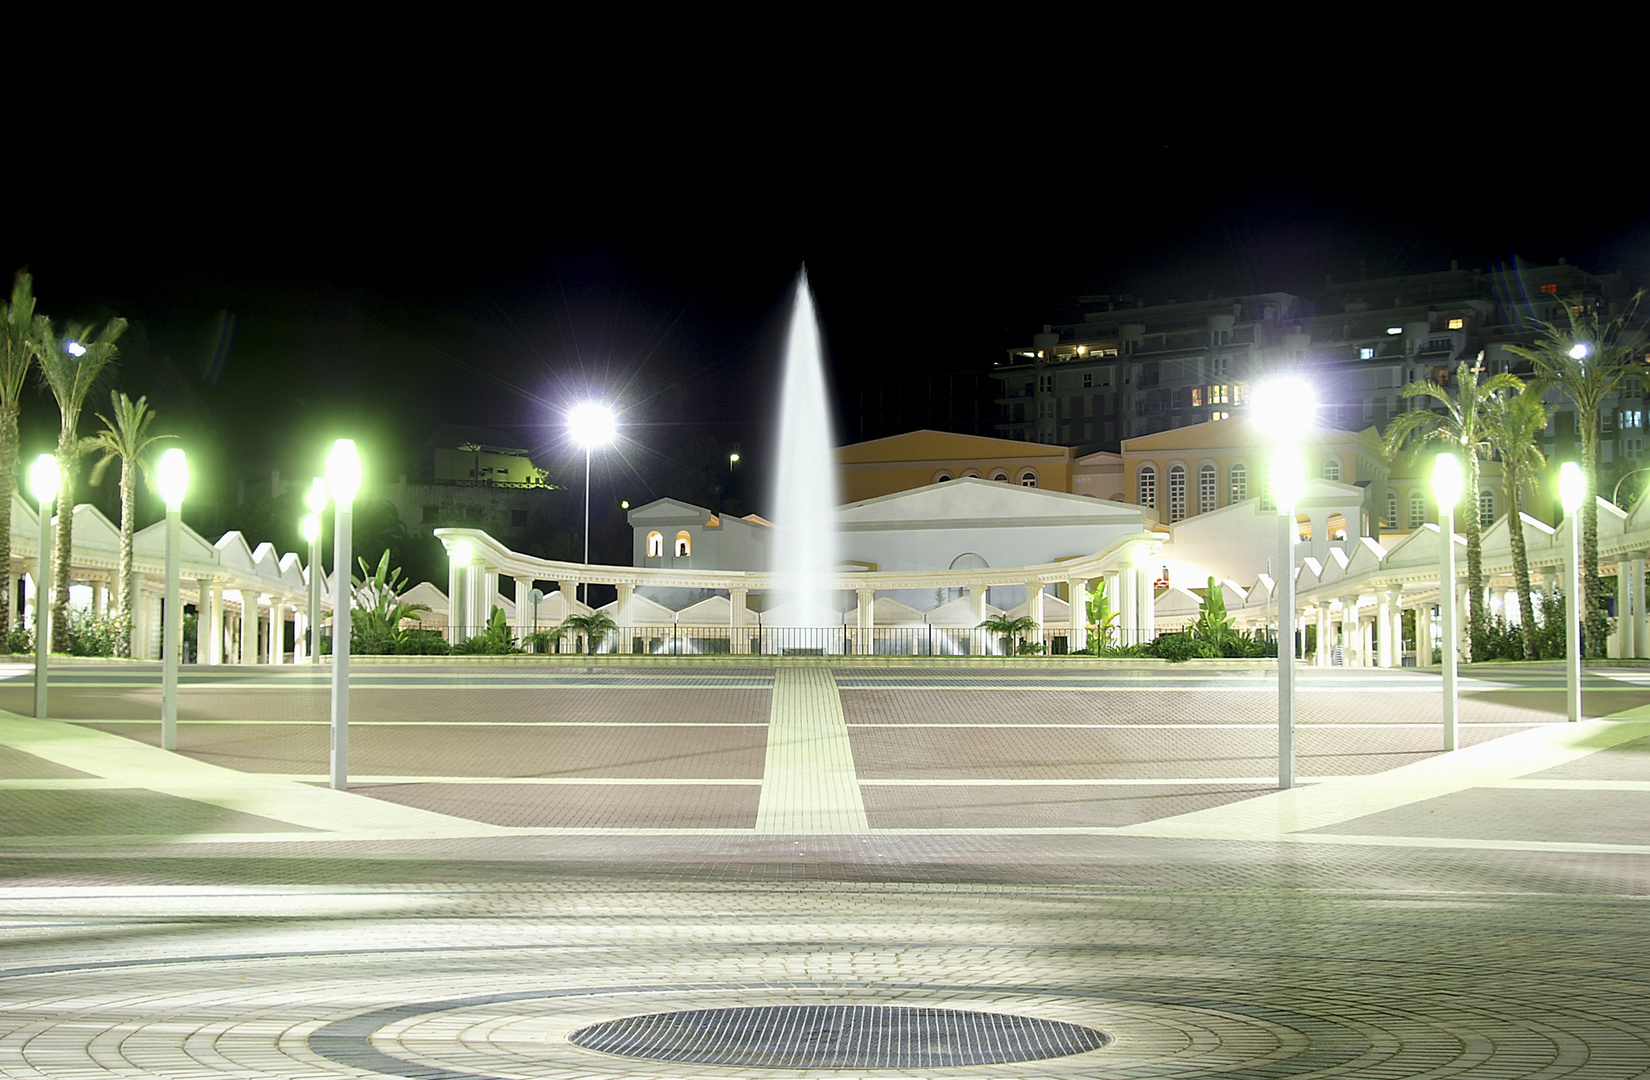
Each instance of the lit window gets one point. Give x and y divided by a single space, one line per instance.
1486 508
655 545
1177 493
1197 396
1551 289
1394 331
1456 324
1206 484
1366 354
1239 483
1391 509
1147 487
1332 470
1219 395
684 544
1417 510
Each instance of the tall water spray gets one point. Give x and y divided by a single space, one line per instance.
805 548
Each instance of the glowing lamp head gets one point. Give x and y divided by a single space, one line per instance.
1288 478
316 500
592 424
43 478
733 459
311 527
1446 479
463 553
1580 350
1284 408
74 348
343 472
172 477
1572 487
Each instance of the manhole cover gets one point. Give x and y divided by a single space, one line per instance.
837 1037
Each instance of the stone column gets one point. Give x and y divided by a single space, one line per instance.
739 636
865 621
1077 593
1623 642
621 615
976 612
1351 618
211 621
99 591
1128 609
1366 640
277 629
1034 608
1635 567
1146 597
524 608
1323 653
1383 619
455 602
249 627
300 634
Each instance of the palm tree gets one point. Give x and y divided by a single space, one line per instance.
1513 423
22 336
125 437
1588 358
592 629
1461 425
70 366
1010 630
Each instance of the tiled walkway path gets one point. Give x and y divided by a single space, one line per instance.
526 854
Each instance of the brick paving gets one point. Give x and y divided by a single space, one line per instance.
519 862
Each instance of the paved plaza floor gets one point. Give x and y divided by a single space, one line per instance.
827 869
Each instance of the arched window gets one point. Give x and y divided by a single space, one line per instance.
1028 478
1000 476
941 477
973 473
1331 469
1206 485
1146 485
1391 509
1177 492
1486 508
1239 483
684 544
1417 510
655 545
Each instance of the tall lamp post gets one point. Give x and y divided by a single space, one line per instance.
343 481
592 425
1284 410
1572 492
172 478
1446 487
316 500
43 481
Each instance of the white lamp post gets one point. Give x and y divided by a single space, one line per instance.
343 481
1288 478
172 478
1446 487
592 425
1284 409
1572 492
43 481
316 500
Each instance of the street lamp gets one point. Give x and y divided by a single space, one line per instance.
343 481
43 481
592 425
1288 478
1284 409
1572 492
316 500
172 478
1446 487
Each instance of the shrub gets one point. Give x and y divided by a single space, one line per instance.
94 635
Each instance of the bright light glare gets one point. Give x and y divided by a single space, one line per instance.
1572 486
172 477
592 424
74 348
1283 408
343 472
1288 478
43 478
316 500
1579 350
312 527
1446 479
463 551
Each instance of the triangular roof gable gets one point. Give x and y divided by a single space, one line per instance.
93 531
886 611
930 445
711 611
292 570
1176 602
234 552
266 560
1419 549
1309 574
1497 539
150 543
1367 555
972 498
643 611
1056 612
1233 594
24 511
959 612
428 595
673 511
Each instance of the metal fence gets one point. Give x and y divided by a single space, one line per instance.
924 640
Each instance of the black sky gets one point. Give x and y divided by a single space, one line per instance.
383 277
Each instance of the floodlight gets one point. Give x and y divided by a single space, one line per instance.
343 472
1288 478
316 500
172 477
1284 408
1446 479
1572 487
311 527
44 478
74 348
462 553
592 424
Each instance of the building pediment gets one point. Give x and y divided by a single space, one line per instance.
973 502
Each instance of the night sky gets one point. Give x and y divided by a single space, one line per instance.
292 281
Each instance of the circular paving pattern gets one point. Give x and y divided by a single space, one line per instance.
838 1037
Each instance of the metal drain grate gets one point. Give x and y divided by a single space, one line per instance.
837 1037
